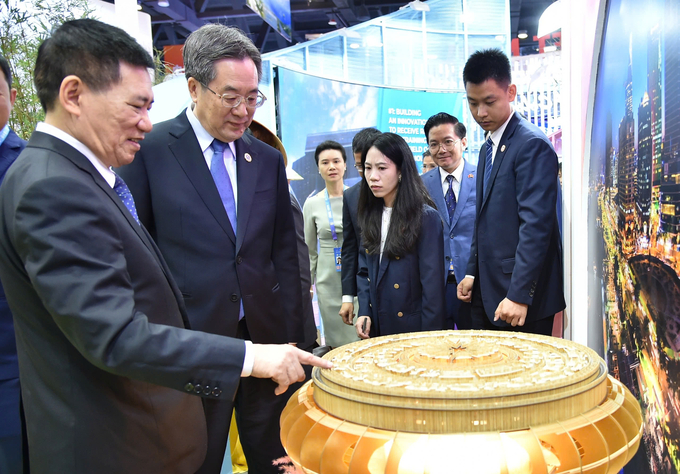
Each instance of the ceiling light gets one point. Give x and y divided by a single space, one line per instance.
332 22
522 34
354 45
550 49
551 19
163 3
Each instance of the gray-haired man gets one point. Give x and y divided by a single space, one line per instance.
216 202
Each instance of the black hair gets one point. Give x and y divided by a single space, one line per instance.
362 138
329 145
488 64
4 65
442 118
426 153
88 49
406 220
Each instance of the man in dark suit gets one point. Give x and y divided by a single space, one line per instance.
110 377
452 187
514 276
10 419
217 204
351 230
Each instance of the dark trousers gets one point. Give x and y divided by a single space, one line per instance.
12 428
258 411
457 312
480 320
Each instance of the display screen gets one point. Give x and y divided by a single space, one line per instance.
313 109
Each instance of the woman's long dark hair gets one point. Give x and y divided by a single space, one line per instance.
407 211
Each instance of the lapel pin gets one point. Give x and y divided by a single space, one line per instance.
248 157
502 148
471 175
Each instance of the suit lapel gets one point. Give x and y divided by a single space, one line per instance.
467 180
190 157
382 267
9 150
503 147
43 140
434 184
247 166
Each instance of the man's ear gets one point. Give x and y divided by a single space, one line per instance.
70 94
12 98
194 86
512 92
463 142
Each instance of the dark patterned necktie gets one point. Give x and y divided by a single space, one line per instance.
450 198
488 163
125 195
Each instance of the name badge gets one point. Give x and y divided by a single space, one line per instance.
337 253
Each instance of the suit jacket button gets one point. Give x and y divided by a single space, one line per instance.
397 257
239 259
396 286
368 279
198 387
206 390
400 314
216 392
234 297
366 250
189 387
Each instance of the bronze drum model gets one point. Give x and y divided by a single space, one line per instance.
477 402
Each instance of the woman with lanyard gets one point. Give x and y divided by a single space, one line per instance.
401 281
323 227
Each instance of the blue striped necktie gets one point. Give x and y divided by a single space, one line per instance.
219 173
450 198
488 163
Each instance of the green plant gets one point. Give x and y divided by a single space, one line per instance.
23 26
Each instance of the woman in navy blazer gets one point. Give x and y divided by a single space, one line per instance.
401 284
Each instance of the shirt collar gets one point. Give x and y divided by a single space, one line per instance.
204 138
106 172
3 133
457 173
498 134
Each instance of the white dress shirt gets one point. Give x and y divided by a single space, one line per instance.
457 178
205 140
384 228
497 134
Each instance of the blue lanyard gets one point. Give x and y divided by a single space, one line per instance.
329 211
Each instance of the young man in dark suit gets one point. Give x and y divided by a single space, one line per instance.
452 187
217 204
514 276
10 414
110 376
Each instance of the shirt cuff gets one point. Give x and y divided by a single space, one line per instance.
347 299
470 276
248 360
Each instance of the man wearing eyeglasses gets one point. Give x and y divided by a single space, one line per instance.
452 188
216 201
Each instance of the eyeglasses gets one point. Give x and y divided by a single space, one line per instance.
232 100
448 145
359 166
